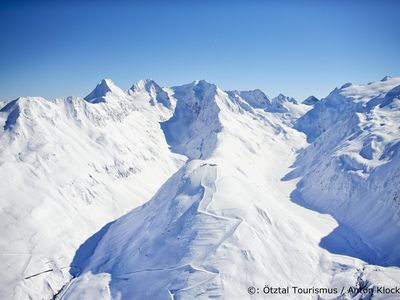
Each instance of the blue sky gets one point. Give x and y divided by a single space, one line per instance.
60 48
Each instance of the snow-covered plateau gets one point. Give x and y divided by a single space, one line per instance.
195 192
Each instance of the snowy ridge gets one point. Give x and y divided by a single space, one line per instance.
341 104
250 99
159 252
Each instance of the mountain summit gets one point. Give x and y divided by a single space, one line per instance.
154 90
312 100
100 92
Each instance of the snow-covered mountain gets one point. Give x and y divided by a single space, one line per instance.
356 141
310 100
246 190
67 167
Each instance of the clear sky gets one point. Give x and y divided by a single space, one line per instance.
61 48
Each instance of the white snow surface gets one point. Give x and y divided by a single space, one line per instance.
245 191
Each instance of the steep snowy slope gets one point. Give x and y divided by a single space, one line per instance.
193 129
225 221
355 153
67 167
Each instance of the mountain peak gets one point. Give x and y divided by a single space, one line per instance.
192 130
154 90
311 100
143 84
346 85
22 106
198 90
386 78
203 85
279 103
280 96
255 98
283 98
104 87
201 82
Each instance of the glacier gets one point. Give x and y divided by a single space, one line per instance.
195 192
